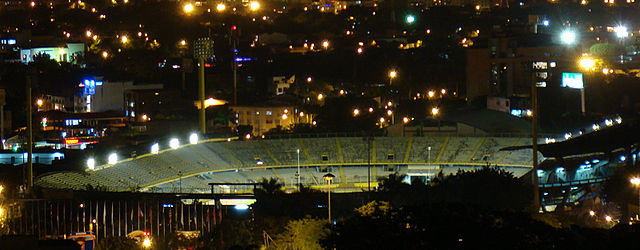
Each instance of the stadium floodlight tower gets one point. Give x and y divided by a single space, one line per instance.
193 138
112 159
174 143
155 148
91 164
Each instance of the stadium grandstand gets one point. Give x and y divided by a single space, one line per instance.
190 167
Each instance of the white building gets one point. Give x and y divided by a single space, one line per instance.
100 96
70 52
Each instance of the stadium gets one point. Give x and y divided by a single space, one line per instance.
190 167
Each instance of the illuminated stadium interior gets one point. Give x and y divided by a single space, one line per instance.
190 167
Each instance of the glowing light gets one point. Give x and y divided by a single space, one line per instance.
91 164
608 218
39 102
105 54
635 181
241 207
183 42
608 122
124 39
405 120
174 143
621 32
431 93
381 119
587 63
112 159
284 116
88 33
592 213
393 74
211 102
247 136
410 19
443 91
435 111
325 44
320 97
193 138
309 79
221 7
370 110
155 148
356 112
568 37
188 8
254 6
389 112
146 242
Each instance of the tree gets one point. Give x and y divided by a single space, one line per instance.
302 234
270 187
620 190
487 187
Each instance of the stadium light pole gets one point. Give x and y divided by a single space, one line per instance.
298 173
429 154
180 181
329 177
636 182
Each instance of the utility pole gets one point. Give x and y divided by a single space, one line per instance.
3 95
234 64
534 138
203 121
30 136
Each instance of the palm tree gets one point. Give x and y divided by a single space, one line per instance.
271 186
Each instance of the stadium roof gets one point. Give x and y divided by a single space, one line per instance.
601 141
491 121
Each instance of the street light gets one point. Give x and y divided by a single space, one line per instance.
636 182
568 37
621 32
105 54
329 177
188 8
124 39
325 44
254 6
392 74
220 7
356 112
435 111
587 63
410 19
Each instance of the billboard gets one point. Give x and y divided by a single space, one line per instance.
572 80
